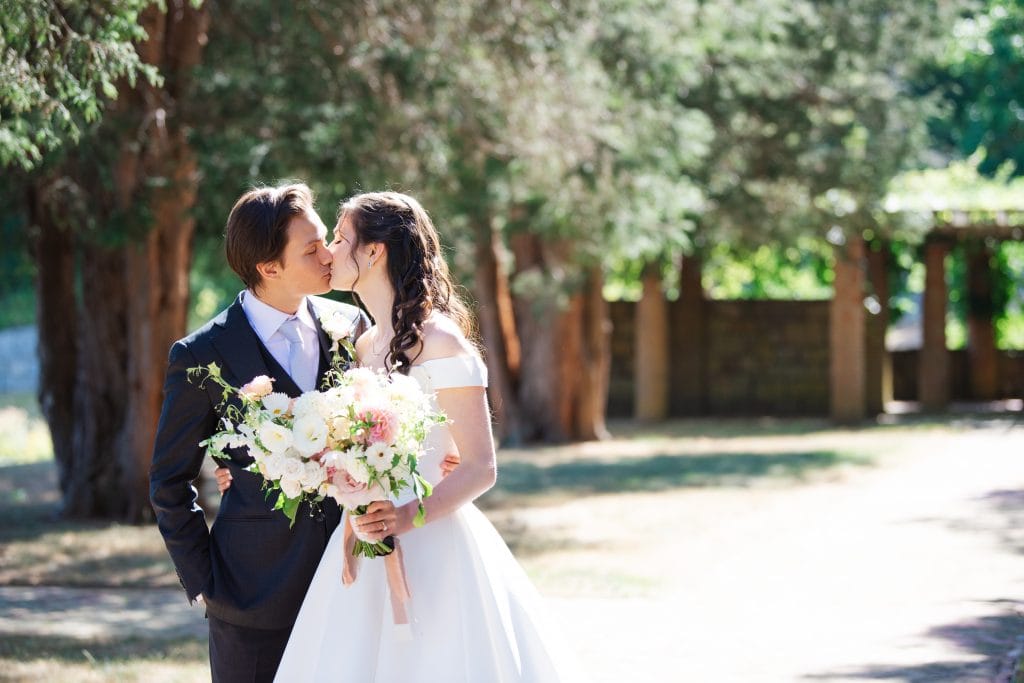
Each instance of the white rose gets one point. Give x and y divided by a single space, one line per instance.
291 487
335 459
274 465
276 438
312 475
292 468
337 325
309 403
277 404
309 435
355 466
340 427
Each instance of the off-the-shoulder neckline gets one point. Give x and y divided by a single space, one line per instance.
461 356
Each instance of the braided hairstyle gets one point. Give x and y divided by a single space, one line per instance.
416 268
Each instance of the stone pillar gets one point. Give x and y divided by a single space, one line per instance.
982 358
879 363
651 349
687 339
933 373
847 334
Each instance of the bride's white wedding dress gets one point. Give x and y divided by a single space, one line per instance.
474 617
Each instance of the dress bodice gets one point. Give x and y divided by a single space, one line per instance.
450 372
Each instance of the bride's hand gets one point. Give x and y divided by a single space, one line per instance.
379 522
223 476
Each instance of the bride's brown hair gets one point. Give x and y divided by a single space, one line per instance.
416 268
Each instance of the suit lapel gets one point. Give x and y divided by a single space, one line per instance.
244 354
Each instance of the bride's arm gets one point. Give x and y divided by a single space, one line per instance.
470 425
471 430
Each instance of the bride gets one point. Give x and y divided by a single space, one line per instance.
473 615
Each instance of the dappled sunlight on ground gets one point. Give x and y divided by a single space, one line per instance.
706 550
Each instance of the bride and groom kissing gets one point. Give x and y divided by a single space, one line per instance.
274 597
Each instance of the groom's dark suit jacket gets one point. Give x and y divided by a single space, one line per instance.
252 569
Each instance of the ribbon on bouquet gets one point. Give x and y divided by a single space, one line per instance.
393 565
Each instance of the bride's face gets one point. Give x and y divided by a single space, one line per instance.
351 263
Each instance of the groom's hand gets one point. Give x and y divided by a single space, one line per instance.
450 462
223 475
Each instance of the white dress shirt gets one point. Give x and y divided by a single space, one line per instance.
266 321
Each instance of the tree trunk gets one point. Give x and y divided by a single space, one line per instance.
58 333
134 289
566 353
536 317
497 327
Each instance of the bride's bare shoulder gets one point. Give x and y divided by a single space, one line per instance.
443 338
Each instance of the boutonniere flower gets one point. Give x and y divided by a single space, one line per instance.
336 325
340 329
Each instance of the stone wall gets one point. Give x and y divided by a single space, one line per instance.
906 365
759 358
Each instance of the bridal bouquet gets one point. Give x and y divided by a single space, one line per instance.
359 440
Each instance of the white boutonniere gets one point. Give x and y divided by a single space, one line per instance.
340 329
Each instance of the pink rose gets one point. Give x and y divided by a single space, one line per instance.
384 421
258 387
344 481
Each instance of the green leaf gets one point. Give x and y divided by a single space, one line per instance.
290 508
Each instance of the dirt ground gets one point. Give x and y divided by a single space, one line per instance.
782 551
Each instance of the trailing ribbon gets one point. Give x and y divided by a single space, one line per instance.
393 565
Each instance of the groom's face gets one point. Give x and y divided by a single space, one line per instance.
305 265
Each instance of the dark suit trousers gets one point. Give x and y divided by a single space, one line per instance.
244 655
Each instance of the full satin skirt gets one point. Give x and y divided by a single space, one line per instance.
474 616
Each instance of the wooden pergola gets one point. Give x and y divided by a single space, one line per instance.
858 390
860 371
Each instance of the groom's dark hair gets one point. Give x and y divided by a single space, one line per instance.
257 227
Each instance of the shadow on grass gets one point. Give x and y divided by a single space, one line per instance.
660 473
72 650
747 426
989 638
1010 506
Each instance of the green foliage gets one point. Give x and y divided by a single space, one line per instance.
799 271
17 271
980 78
58 62
1009 295
959 186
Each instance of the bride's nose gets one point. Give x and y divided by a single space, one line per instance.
326 257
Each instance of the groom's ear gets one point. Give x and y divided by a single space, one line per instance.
269 270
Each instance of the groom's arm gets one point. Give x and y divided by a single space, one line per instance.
186 419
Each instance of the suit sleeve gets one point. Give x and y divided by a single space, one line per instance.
187 418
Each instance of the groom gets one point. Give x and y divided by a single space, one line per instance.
251 570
